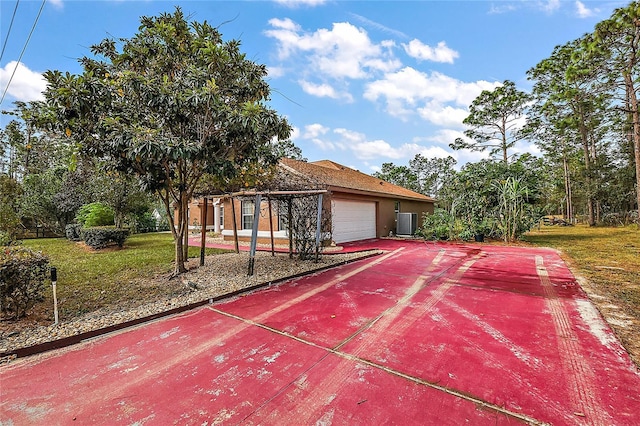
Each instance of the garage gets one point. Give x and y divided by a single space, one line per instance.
353 220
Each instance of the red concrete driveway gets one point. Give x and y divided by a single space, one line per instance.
424 334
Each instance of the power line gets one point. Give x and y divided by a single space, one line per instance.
23 50
15 9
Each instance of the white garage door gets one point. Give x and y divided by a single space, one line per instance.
353 220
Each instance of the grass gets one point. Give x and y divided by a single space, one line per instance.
88 280
609 258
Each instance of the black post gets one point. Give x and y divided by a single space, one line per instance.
203 230
254 233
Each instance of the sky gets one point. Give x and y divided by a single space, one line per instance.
362 82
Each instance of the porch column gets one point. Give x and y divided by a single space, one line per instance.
216 215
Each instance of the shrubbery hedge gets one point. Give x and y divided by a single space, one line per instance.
73 232
100 236
23 273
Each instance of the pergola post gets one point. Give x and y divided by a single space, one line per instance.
203 231
216 216
289 218
235 224
271 229
254 233
318 226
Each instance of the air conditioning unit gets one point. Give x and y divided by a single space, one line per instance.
407 223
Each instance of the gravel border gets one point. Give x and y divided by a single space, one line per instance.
222 274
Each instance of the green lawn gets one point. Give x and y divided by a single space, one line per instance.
610 260
609 257
88 280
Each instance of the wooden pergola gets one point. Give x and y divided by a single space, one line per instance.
285 184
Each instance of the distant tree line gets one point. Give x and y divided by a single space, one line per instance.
582 114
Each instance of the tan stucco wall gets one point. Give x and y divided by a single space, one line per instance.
385 213
385 210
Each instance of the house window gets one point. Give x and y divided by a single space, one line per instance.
221 217
397 209
248 208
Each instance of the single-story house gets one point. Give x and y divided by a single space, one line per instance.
362 206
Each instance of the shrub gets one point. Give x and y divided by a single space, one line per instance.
5 239
100 237
95 214
73 232
438 226
144 222
23 273
10 195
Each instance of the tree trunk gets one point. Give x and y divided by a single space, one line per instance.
178 235
176 229
505 157
587 167
185 235
633 100
567 188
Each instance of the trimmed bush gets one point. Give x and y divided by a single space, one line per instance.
5 240
100 237
23 273
95 214
73 232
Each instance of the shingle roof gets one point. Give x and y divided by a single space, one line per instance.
338 176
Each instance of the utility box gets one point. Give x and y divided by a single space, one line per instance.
407 223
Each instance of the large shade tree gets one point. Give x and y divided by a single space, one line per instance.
170 104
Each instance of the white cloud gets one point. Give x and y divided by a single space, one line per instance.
323 91
423 52
275 72
546 6
350 136
344 51
440 115
503 8
405 89
26 85
299 3
367 150
550 6
583 11
56 3
324 144
426 151
445 137
314 130
295 133
523 147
